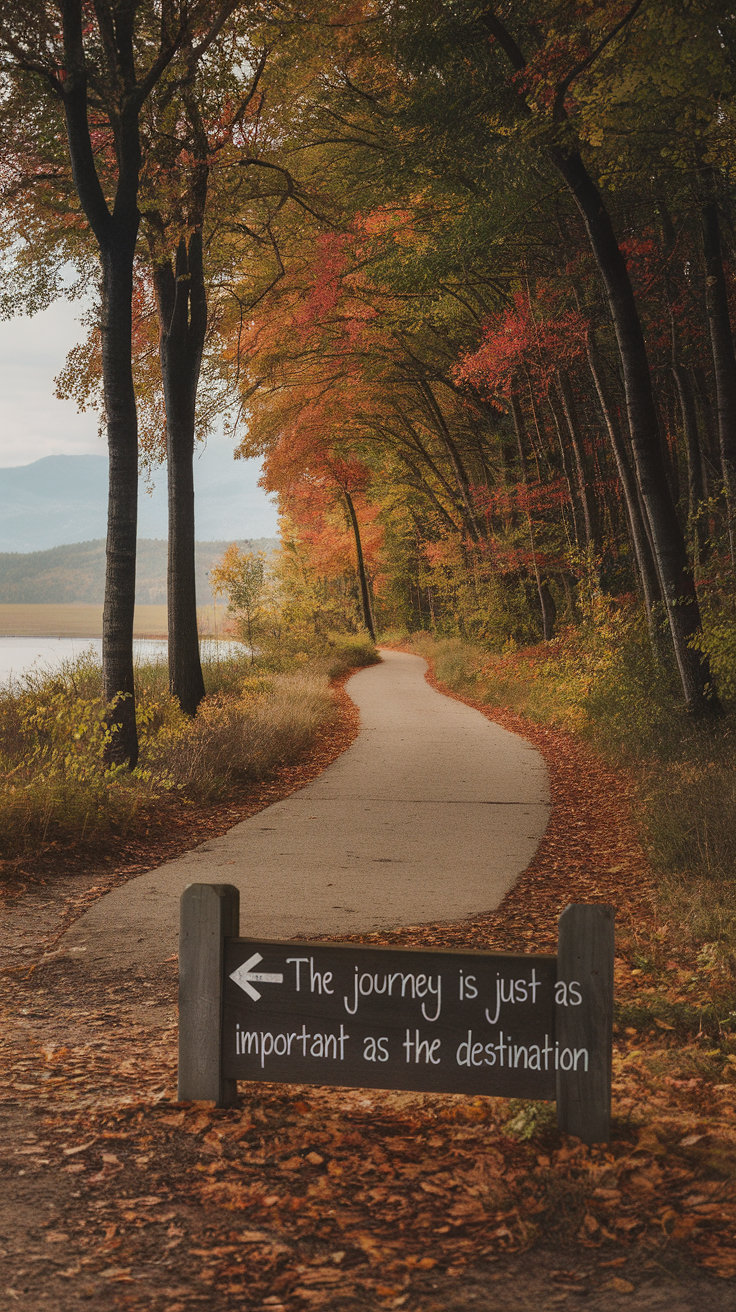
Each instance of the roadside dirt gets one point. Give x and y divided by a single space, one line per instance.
114 1194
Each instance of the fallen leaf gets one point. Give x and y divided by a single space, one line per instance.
722 1263
116 1273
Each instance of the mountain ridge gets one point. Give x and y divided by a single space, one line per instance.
75 571
60 500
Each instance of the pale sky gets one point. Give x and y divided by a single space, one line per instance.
34 424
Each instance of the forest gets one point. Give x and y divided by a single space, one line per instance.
461 275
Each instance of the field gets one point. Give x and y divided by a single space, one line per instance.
81 621
71 621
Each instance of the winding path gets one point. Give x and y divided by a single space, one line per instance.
429 816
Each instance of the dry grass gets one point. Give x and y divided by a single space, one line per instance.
239 737
55 788
36 620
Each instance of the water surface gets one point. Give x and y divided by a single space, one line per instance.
19 656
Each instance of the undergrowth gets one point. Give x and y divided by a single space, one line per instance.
55 787
601 681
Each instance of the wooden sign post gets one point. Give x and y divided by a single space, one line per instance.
510 1026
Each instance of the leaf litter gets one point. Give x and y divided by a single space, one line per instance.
306 1197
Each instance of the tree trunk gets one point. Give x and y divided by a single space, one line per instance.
673 567
546 602
724 362
709 444
642 551
586 500
182 313
122 512
363 577
458 468
416 446
576 509
116 233
695 481
520 430
549 610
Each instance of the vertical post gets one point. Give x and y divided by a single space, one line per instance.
584 1029
210 913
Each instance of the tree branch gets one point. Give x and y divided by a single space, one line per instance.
504 38
558 109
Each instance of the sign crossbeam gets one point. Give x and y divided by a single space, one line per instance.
504 1025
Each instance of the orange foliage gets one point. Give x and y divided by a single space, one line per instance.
524 338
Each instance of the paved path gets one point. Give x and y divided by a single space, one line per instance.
430 815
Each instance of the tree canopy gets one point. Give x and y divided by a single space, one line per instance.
469 273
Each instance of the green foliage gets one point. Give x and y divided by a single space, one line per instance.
292 614
467 597
719 642
529 1118
242 575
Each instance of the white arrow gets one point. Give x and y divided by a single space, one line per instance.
245 977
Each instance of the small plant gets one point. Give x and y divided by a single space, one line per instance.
528 1118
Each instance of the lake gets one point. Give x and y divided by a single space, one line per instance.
19 655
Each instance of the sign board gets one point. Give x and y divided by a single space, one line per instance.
439 1022
371 1017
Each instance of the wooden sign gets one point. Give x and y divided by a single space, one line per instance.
371 1017
439 1022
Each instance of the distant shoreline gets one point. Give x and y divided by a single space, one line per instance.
73 620
84 620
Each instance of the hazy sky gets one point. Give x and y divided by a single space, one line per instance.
33 423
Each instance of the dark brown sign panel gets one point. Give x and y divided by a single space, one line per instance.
437 1022
381 1018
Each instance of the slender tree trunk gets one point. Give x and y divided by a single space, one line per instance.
549 610
459 470
642 551
116 233
577 511
421 484
416 446
182 312
724 361
363 577
517 415
695 483
586 500
673 567
711 461
538 447
122 511
546 602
